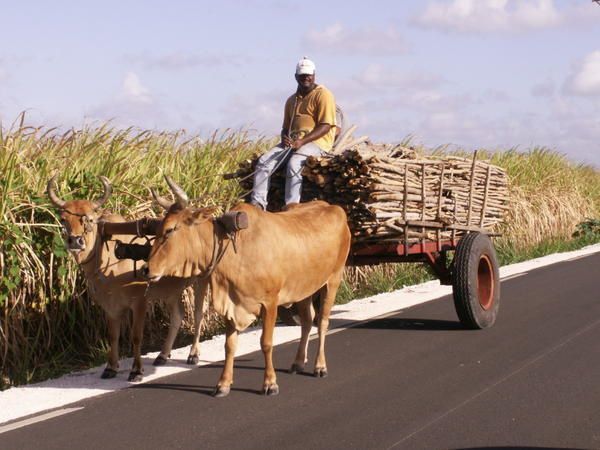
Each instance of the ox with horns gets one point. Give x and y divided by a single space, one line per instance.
112 282
279 259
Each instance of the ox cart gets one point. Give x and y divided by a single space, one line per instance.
400 208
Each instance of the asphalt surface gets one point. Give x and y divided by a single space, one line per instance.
409 381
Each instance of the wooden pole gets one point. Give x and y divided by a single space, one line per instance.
485 195
471 188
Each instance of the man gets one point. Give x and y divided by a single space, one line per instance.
309 126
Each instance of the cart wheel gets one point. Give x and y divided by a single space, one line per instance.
476 281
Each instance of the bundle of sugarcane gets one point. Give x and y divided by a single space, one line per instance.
402 197
389 193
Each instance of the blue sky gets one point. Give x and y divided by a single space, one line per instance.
471 73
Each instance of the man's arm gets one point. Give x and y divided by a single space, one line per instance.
319 131
287 119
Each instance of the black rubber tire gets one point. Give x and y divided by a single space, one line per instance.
476 281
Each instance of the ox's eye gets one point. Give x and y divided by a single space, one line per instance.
88 222
169 232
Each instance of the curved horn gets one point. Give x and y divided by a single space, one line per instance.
163 202
107 191
181 198
52 195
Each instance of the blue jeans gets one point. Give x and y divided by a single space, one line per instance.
273 159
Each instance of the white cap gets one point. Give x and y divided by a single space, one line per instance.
305 67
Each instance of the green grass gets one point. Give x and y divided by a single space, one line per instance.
511 255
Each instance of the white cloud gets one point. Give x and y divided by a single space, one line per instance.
383 90
581 14
386 107
585 80
134 91
369 40
133 105
566 126
536 14
490 15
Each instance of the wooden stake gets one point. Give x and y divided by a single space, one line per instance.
471 188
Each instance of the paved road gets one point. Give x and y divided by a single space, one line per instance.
409 381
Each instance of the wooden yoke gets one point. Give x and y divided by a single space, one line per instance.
143 227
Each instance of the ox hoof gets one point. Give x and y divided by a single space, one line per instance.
273 389
108 373
296 368
193 359
160 361
135 376
221 391
321 373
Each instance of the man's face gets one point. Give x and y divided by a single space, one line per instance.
305 80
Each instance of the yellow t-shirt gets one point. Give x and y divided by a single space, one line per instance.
317 107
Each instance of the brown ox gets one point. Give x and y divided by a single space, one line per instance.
112 283
279 259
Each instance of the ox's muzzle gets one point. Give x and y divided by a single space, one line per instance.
75 243
145 273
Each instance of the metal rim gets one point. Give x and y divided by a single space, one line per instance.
485 282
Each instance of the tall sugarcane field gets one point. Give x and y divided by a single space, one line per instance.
530 200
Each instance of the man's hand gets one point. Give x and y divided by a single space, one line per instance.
286 141
292 143
319 131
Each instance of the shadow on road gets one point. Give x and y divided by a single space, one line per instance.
208 390
396 323
197 389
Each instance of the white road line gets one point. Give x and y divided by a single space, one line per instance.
41 418
578 257
510 277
